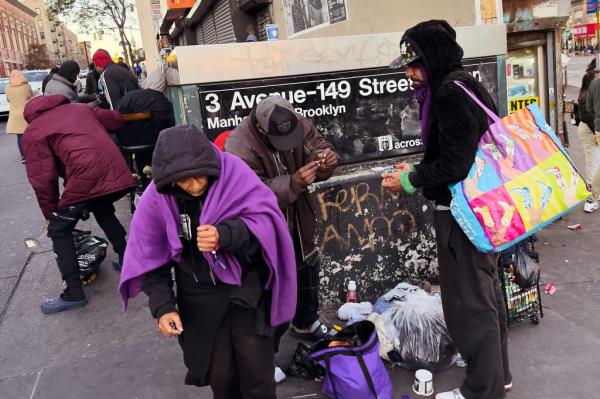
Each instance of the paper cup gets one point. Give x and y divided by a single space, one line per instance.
423 384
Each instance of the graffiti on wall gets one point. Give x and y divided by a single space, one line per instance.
373 237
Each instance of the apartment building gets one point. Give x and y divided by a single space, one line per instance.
17 32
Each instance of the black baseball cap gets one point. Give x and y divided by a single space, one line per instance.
407 55
277 117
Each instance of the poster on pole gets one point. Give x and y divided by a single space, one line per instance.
304 15
366 114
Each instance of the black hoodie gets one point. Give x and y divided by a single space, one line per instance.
457 123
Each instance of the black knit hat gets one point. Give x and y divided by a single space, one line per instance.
69 70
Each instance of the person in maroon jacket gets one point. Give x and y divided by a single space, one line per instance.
71 141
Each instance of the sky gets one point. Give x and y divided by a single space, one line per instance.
111 39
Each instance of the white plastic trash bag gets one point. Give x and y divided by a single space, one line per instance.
413 321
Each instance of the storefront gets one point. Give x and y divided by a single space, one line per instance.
367 111
534 72
584 35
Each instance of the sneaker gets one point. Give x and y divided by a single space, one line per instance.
279 374
591 206
454 394
508 387
314 333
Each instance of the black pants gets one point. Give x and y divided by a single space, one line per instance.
63 222
242 361
474 309
307 305
20 144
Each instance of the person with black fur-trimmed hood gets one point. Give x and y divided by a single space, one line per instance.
451 126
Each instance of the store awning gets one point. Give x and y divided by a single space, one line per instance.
584 31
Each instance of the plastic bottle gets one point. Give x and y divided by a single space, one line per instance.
351 293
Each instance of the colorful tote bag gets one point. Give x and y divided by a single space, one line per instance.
521 181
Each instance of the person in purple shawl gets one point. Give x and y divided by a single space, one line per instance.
208 217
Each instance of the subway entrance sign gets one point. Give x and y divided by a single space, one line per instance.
517 104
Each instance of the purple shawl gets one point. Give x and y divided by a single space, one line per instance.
237 194
423 95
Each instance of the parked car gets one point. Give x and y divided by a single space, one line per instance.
35 79
3 101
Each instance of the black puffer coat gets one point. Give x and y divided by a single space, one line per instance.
457 123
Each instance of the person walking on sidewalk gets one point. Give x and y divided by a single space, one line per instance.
115 81
451 127
288 154
18 92
209 217
589 132
71 141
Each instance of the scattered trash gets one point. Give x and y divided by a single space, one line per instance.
31 243
566 260
577 226
546 243
337 328
423 385
351 311
550 289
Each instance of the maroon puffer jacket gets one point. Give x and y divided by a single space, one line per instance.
71 141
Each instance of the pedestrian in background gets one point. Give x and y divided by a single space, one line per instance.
70 141
115 81
451 126
18 92
589 132
63 82
208 217
91 80
48 77
289 154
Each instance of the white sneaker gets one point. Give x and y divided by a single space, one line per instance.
454 394
591 206
279 374
508 387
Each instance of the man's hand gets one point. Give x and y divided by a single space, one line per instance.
327 159
306 175
403 167
170 324
207 237
391 182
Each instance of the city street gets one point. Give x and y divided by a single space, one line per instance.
101 352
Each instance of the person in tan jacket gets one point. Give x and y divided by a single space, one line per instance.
18 92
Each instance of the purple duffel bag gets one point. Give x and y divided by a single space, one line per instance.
353 369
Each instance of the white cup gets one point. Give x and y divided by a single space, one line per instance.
423 384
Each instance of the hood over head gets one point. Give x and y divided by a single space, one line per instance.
155 81
40 104
17 78
101 58
69 70
434 43
180 152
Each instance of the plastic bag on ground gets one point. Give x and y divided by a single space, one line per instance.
414 324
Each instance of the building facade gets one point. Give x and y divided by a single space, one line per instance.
17 31
60 42
581 27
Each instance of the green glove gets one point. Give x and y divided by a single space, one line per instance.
406 184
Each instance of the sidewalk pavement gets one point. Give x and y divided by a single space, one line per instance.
100 352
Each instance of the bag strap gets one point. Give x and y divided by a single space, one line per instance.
328 371
365 370
488 111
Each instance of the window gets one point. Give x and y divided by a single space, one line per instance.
40 23
521 76
37 11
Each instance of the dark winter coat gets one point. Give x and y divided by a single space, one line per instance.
275 169
593 101
145 132
71 141
457 123
585 114
60 85
202 300
91 82
117 81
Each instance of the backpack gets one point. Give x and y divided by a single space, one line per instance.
353 368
